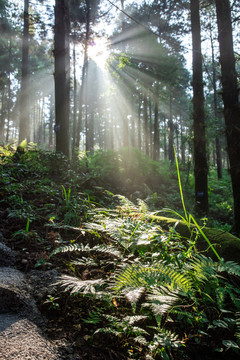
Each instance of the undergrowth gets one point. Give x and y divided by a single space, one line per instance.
126 282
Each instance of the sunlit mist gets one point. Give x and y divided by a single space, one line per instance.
98 51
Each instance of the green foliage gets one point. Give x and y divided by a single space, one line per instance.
52 302
172 292
127 170
127 279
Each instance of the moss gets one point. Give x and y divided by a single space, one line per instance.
226 244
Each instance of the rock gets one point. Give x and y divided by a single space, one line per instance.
1 234
14 294
42 283
7 256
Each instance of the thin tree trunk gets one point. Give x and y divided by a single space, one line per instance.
74 135
62 76
170 131
139 124
165 138
200 157
51 116
24 130
150 139
2 120
216 113
80 116
182 140
146 128
156 144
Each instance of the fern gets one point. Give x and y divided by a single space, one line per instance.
134 295
126 325
126 204
231 267
164 341
70 248
237 333
161 301
86 262
138 276
75 285
103 249
202 268
143 208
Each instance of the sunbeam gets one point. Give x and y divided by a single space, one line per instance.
98 51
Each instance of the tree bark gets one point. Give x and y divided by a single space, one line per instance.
146 129
156 145
139 128
62 76
170 131
200 158
2 118
24 129
230 100
74 100
216 113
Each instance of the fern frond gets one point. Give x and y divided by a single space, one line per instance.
104 249
125 202
134 295
237 333
108 330
167 339
147 276
86 262
132 320
160 302
108 250
70 248
143 208
75 285
141 340
163 340
202 267
231 267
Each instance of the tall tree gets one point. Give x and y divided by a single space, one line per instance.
230 100
156 145
216 112
200 157
62 76
24 130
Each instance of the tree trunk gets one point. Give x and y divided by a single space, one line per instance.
216 114
24 129
170 131
146 130
139 133
51 116
80 116
156 144
74 136
2 119
165 137
62 76
182 140
230 100
200 158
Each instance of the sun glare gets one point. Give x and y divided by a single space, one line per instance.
98 51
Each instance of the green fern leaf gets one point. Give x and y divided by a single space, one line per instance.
75 285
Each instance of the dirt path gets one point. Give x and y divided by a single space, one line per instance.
22 326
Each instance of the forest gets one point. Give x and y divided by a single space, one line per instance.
120 170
